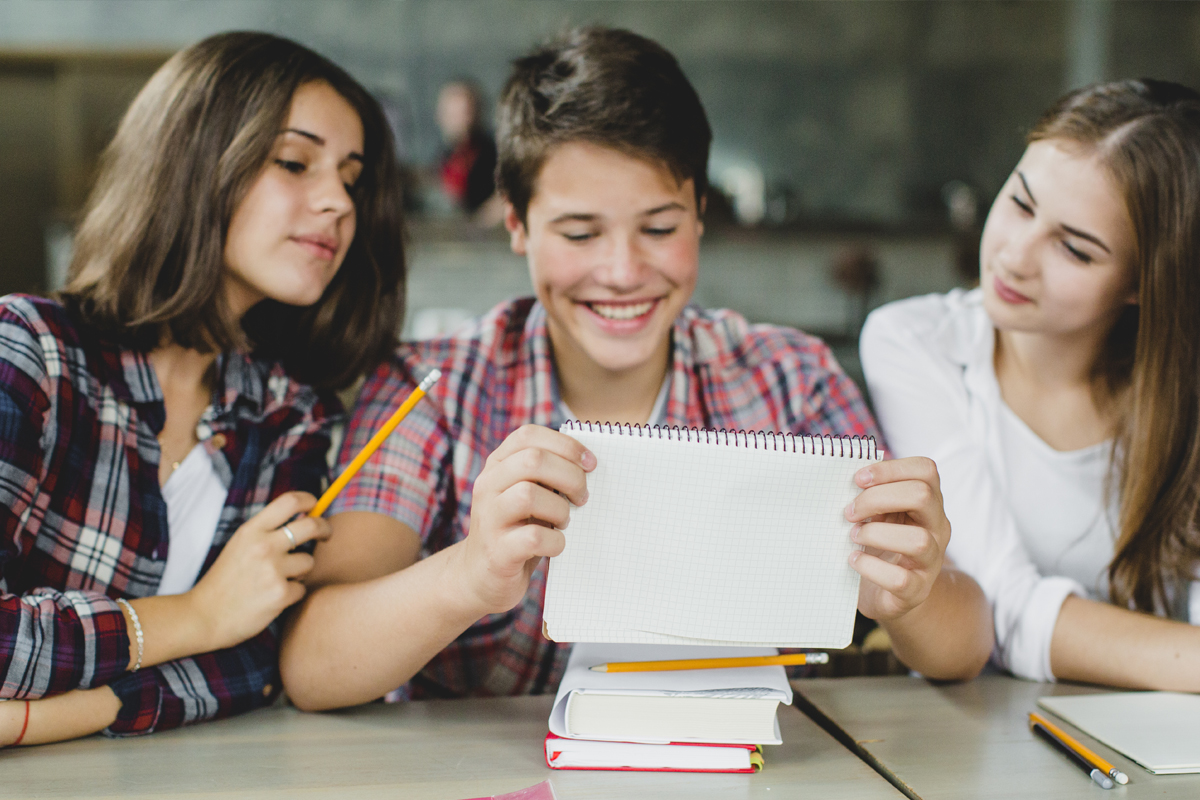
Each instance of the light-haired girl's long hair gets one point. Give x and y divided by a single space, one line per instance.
1147 133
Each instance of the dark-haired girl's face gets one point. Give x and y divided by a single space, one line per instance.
288 236
1057 255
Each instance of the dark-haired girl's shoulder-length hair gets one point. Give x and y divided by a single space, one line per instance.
149 254
1147 134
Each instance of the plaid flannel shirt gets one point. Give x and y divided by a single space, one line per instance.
498 374
82 520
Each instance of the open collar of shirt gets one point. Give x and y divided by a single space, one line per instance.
244 389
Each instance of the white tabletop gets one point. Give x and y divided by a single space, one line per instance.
446 750
970 740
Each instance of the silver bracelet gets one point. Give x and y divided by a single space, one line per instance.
137 631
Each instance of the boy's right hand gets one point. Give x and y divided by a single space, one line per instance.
519 507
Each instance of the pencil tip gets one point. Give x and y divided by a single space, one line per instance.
599 668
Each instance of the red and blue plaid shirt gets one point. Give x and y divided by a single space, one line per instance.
83 522
497 375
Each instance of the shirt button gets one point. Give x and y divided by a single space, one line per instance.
218 441
267 690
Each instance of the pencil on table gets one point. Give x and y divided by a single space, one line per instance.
1084 752
380 436
791 659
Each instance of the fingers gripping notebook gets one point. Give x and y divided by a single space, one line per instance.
709 537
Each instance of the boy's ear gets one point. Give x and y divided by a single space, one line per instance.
516 229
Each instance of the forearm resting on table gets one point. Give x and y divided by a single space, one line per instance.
950 635
1101 643
55 719
352 643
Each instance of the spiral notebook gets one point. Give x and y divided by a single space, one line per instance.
709 537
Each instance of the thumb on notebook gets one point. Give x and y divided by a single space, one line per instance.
520 503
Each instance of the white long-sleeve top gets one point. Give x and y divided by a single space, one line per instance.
1031 524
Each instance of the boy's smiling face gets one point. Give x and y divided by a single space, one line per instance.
613 248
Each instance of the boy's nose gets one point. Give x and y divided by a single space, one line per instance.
624 263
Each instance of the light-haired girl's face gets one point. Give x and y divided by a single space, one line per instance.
288 236
1058 251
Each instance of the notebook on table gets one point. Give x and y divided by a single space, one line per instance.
709 537
1158 730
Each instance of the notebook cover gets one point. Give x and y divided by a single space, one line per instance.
551 737
1158 730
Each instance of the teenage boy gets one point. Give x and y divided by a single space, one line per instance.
603 156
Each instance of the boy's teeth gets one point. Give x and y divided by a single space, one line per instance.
625 311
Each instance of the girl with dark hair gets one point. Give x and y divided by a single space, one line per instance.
1061 399
164 420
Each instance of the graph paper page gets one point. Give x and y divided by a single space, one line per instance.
697 543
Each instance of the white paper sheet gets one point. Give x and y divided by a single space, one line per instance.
699 542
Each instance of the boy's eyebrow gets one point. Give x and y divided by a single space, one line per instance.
672 206
581 217
320 141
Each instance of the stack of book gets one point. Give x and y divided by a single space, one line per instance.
709 720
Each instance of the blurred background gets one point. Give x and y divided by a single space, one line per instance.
857 145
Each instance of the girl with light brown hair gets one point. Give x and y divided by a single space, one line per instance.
166 420
1061 399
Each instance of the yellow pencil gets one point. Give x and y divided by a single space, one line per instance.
373 445
1085 752
791 659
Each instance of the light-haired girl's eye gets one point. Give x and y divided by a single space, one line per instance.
1077 254
294 167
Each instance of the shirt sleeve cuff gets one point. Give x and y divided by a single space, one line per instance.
1027 653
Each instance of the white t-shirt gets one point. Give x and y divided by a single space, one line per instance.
1031 524
195 496
658 414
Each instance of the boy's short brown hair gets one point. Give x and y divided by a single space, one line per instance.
606 86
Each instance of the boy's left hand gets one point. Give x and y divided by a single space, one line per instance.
904 531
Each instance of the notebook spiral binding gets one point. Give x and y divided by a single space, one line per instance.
836 446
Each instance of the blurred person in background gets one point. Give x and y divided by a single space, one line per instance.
467 167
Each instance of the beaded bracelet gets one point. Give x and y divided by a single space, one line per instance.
137 632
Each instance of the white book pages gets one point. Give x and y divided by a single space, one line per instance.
702 541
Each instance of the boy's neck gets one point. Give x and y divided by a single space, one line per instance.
600 395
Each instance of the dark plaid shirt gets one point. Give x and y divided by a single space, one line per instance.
83 522
498 374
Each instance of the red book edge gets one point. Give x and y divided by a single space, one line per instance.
751 770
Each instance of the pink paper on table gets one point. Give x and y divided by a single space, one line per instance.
542 791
